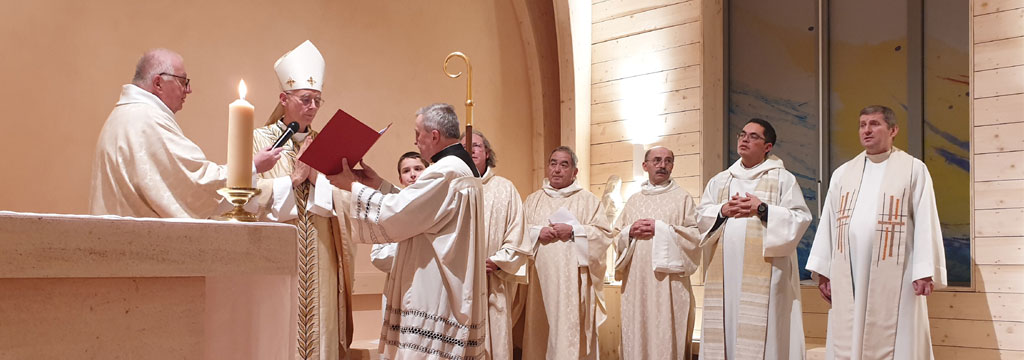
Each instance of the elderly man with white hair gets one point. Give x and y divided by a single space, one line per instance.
144 165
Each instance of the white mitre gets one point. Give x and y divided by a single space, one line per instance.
301 68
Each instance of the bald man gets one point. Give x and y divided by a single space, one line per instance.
144 164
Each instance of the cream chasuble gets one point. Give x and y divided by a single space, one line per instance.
752 295
437 292
325 250
879 232
657 300
146 167
510 250
564 302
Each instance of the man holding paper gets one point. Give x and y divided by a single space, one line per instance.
144 164
658 251
294 193
437 294
564 304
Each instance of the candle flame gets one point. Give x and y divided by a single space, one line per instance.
242 90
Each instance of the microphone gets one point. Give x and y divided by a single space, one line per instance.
291 130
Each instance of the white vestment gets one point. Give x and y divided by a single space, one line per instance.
657 300
787 221
924 252
510 250
437 291
146 167
565 304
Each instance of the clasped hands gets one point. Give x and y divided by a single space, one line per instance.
741 206
642 229
555 232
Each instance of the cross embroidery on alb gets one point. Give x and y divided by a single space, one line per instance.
843 220
890 229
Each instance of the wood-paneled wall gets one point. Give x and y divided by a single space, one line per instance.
657 48
666 43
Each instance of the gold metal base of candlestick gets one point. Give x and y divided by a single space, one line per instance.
238 197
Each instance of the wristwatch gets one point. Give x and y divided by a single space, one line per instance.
762 211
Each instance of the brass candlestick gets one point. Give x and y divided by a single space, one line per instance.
238 197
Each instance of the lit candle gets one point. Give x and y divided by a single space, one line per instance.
240 127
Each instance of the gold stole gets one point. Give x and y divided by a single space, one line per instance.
757 279
309 322
894 229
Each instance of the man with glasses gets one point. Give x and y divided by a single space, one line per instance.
657 247
144 165
296 194
751 217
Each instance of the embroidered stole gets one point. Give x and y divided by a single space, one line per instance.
893 229
752 322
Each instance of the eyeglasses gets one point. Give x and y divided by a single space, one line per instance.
307 100
658 160
187 80
752 136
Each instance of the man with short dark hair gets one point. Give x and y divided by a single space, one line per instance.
564 304
878 250
752 216
144 165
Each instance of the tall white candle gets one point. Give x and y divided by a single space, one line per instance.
240 125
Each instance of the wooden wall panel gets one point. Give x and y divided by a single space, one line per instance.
999 54
1002 81
649 42
998 25
999 110
660 82
674 123
659 18
999 194
999 222
998 138
640 64
991 6
999 166
611 9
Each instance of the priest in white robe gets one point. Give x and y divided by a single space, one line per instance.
657 251
507 249
878 250
294 193
564 301
144 164
752 216
437 296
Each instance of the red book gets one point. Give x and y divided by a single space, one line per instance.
344 137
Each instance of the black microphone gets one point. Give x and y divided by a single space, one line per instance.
291 130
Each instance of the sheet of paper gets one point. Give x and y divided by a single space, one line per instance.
563 216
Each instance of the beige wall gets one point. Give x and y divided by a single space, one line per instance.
64 63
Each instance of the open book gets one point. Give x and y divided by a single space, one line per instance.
344 137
